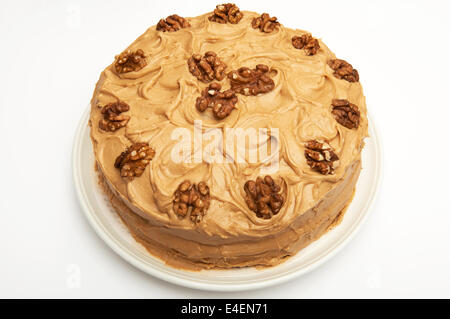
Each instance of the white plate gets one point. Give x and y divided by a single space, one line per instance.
110 228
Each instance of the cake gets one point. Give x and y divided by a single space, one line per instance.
228 140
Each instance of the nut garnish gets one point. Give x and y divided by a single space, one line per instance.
251 82
129 61
172 23
265 23
345 113
134 159
191 199
222 103
306 42
208 67
112 119
321 157
344 70
227 12
263 197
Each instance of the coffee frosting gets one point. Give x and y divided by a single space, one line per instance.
162 97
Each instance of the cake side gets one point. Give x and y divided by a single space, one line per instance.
186 250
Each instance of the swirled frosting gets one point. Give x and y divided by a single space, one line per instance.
162 97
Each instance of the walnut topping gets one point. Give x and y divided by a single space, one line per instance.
129 61
222 103
191 199
208 67
112 119
134 159
345 113
263 197
172 23
251 82
265 23
344 70
306 42
321 157
227 12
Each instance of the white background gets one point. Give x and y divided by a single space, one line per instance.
51 55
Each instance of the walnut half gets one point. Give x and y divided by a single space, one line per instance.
251 82
222 103
321 157
112 118
129 61
191 199
306 42
265 23
262 197
227 12
134 159
344 70
172 23
208 67
345 113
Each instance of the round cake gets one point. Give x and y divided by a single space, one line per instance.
228 140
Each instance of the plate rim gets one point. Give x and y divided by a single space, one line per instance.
117 247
